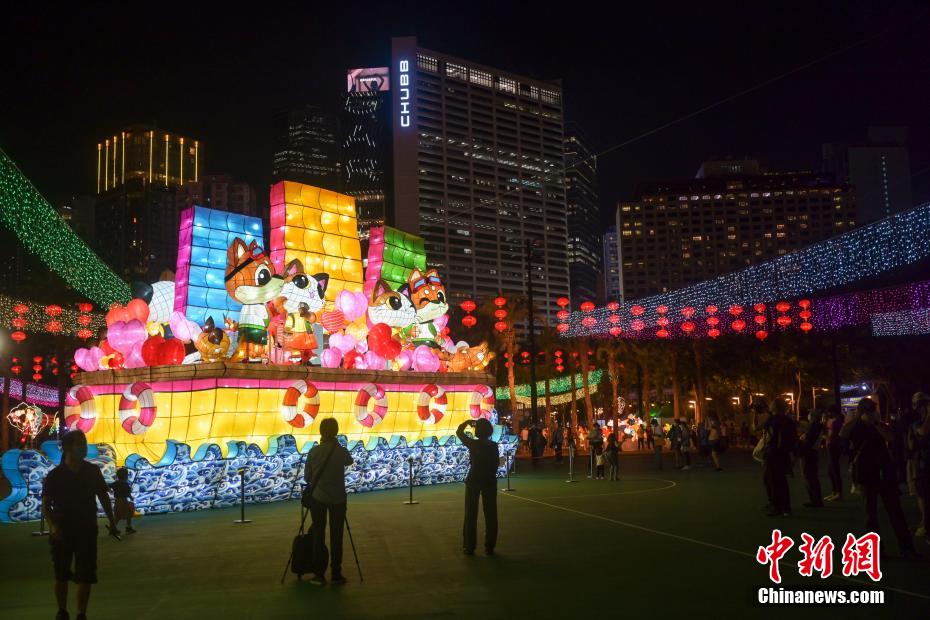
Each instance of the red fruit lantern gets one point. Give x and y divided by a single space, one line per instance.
469 320
589 321
783 321
760 308
687 312
500 301
615 331
637 310
501 326
783 306
711 309
806 327
687 327
762 334
713 332
587 306
613 306
468 305
736 310
561 328
759 319
614 318
562 302
500 314
738 325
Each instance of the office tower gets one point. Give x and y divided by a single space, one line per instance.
307 147
218 191
733 214
585 250
479 172
366 145
139 170
879 170
613 284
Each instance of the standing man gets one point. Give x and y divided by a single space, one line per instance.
810 459
595 441
557 439
921 466
658 438
781 438
69 502
481 482
326 494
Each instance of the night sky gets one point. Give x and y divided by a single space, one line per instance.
72 77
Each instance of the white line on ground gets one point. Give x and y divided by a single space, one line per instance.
702 543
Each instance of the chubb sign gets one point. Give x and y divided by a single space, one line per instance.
403 71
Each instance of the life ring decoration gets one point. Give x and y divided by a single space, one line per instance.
137 393
482 402
432 403
80 409
300 418
366 393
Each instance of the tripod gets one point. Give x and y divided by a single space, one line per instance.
303 519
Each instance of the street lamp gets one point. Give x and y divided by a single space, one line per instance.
814 391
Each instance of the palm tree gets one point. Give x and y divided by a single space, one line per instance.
611 351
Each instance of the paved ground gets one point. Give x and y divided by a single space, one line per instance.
660 543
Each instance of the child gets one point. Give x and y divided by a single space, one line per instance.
612 457
122 493
600 459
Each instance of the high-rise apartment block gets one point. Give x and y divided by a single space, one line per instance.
145 152
732 215
613 283
479 171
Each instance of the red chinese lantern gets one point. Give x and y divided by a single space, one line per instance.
587 306
19 322
662 333
562 315
804 303
687 312
562 327
736 310
500 313
560 368
637 310
738 325
500 301
468 305
711 309
662 310
509 364
713 332
561 302
783 306
613 306
53 326
760 308
85 306
687 327
469 321
589 321
759 319
558 353
614 318
637 325
806 327
18 336
84 334
783 321
501 326
762 334
615 331
804 314
53 310
713 321
37 377
84 319
20 308
662 321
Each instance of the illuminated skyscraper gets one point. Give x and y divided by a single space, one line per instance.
307 147
613 284
145 152
585 256
479 170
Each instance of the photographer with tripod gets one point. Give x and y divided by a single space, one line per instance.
326 494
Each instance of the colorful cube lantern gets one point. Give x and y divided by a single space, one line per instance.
205 236
318 227
392 255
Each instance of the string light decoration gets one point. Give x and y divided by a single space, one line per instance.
36 393
558 385
42 230
857 309
868 251
29 420
903 323
29 316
